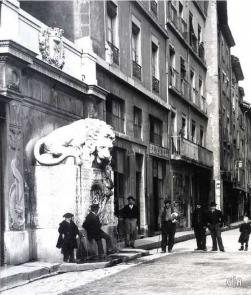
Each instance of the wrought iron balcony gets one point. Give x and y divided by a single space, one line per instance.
115 53
155 84
154 7
136 70
116 122
182 148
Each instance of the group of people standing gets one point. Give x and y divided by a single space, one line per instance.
201 220
69 232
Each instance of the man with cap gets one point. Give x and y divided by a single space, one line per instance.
168 226
68 234
130 215
92 225
199 226
215 221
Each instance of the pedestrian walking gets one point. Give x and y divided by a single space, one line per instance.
67 240
92 225
199 226
215 222
245 230
168 226
130 216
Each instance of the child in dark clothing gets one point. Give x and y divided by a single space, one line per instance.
245 230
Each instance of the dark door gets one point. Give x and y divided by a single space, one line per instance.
155 202
1 188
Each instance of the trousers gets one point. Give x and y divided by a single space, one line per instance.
108 240
130 231
168 230
216 237
200 236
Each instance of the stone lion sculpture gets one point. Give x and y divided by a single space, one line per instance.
85 139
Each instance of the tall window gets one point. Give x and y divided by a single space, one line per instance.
200 87
155 131
155 67
137 122
135 43
112 24
192 82
115 112
201 142
183 130
193 131
136 50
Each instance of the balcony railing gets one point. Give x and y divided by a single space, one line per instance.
183 148
137 131
154 7
136 70
115 53
174 79
155 84
116 122
156 139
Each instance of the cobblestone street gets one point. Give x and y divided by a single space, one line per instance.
183 272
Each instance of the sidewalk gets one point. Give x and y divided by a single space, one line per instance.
13 276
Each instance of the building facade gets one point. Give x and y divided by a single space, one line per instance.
159 72
191 160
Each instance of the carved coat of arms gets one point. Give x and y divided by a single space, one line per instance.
51 46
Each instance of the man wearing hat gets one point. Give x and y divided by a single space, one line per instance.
199 226
168 226
215 221
130 215
68 234
92 225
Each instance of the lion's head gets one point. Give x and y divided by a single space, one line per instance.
83 140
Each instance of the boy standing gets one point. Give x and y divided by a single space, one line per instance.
245 230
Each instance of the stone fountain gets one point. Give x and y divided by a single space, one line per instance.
73 171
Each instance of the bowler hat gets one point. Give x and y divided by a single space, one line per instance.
213 204
130 198
68 215
94 207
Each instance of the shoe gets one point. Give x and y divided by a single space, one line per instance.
214 250
246 248
163 251
197 249
169 250
222 250
205 249
132 246
241 249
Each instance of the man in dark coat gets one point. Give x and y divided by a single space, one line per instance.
245 230
68 234
199 226
92 225
215 222
130 215
168 226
